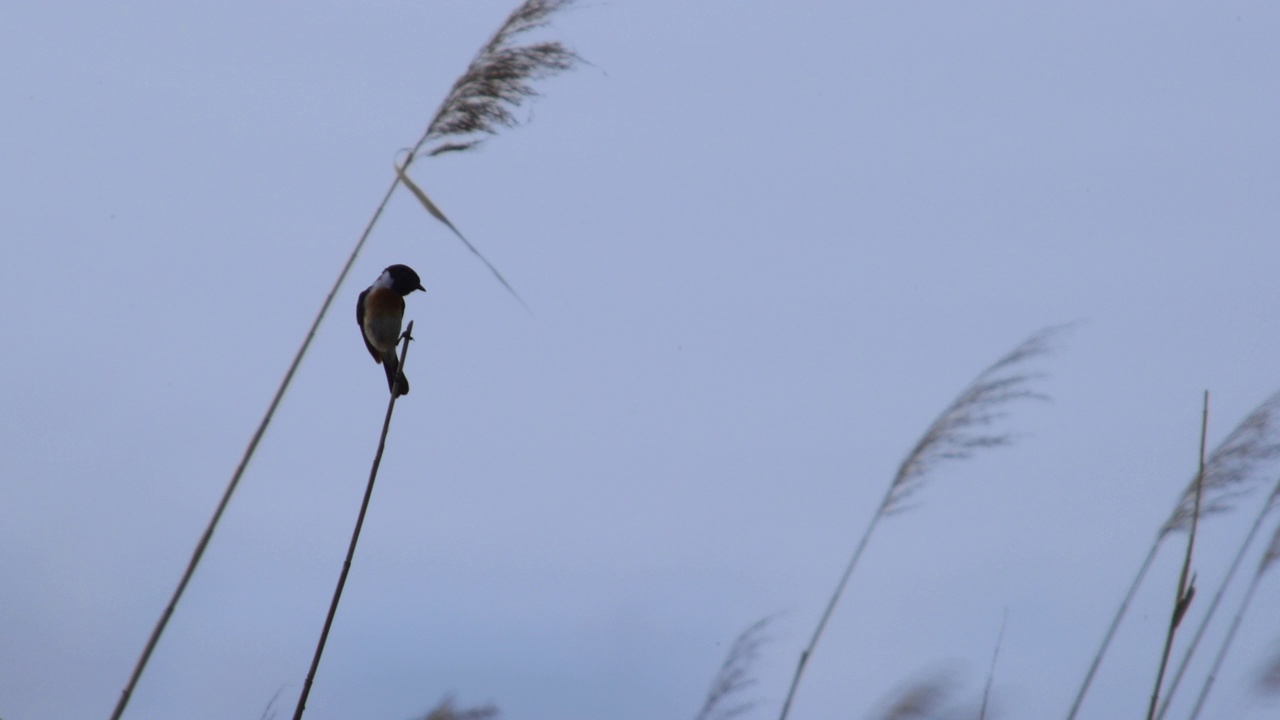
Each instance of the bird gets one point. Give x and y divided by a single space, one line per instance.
379 311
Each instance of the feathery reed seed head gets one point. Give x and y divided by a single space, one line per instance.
445 710
735 675
498 80
920 701
1234 468
964 427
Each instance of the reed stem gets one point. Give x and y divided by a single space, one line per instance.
355 537
1185 592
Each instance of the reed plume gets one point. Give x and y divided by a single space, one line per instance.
445 710
1232 471
734 675
963 428
1268 679
498 79
920 701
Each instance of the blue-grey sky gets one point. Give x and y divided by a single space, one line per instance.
763 243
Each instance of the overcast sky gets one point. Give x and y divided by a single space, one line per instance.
763 244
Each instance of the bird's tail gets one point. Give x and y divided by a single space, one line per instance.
392 365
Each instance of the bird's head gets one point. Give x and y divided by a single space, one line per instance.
401 279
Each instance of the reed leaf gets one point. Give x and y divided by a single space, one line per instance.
437 214
270 712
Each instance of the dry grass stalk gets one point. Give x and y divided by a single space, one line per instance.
1269 558
1232 470
734 675
1186 590
963 428
498 78
355 534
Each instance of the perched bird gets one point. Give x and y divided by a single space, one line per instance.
379 311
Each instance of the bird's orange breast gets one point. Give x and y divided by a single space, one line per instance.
383 311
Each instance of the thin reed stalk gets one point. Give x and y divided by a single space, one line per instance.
991 671
962 429
1232 472
1185 591
355 534
1111 630
498 79
1212 610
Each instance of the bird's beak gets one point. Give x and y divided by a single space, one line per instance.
420 288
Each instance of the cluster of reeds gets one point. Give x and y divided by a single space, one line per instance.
1241 464
483 100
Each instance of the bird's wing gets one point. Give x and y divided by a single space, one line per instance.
360 321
